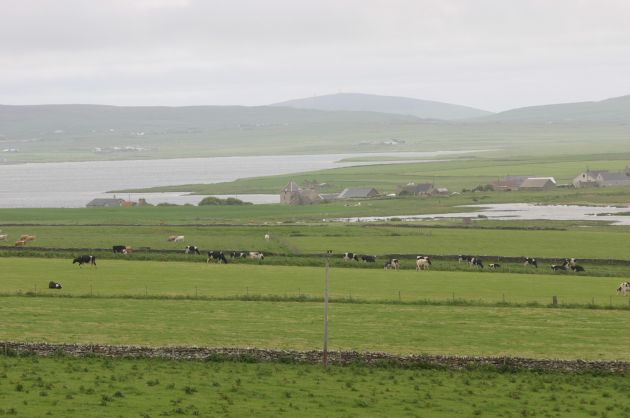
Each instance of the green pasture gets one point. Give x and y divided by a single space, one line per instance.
575 241
454 330
91 387
169 279
456 174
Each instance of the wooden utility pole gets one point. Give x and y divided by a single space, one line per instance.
325 350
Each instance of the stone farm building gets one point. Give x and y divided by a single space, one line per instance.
413 189
293 194
508 183
538 184
602 178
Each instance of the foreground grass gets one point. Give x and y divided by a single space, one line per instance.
69 387
488 331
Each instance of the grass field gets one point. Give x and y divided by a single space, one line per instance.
98 387
399 329
568 240
164 279
133 303
466 172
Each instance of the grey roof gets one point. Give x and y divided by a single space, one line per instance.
106 202
417 188
355 193
606 176
537 182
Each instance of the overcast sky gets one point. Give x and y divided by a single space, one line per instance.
492 54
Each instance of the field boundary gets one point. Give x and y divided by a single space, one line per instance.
33 251
12 348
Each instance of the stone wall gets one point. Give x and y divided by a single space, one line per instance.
311 357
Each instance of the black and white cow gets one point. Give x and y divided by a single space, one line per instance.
559 267
54 285
577 268
368 258
85 259
256 255
530 262
476 262
393 264
119 249
623 288
350 256
494 266
465 258
423 262
192 249
238 254
217 256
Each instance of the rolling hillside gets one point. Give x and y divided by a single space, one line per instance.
609 111
423 109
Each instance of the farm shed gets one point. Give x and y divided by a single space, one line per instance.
508 183
105 203
358 193
538 184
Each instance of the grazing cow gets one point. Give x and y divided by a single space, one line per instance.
20 243
119 249
394 264
476 262
577 268
175 238
85 259
238 254
4 237
256 255
558 267
192 249
54 285
368 258
465 258
350 256
530 262
267 237
494 266
423 262
218 256
623 288
27 238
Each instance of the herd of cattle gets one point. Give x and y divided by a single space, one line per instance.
422 262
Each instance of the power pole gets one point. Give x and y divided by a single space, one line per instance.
325 350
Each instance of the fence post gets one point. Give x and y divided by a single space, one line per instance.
554 300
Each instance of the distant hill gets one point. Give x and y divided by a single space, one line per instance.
423 109
64 120
615 110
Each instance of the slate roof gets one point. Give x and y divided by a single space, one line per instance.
351 193
105 202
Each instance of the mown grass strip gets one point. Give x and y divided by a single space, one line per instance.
315 299
398 329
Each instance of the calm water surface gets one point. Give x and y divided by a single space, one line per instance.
74 184
519 211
